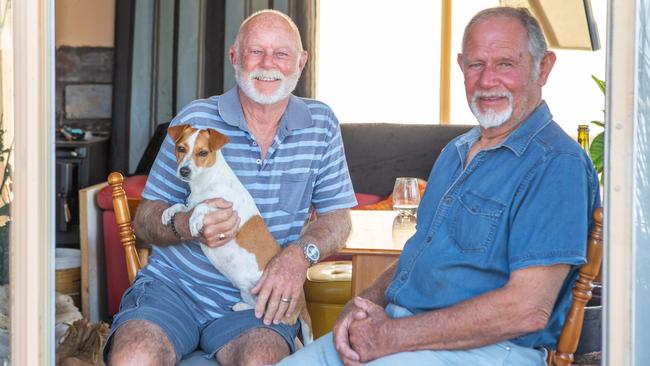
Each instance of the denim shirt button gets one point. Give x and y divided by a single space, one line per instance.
403 276
429 238
448 200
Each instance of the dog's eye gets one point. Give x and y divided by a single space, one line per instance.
203 153
180 149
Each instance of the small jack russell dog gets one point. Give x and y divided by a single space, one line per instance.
242 260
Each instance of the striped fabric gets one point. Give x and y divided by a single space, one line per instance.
305 167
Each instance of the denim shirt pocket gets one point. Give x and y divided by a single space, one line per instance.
475 221
294 190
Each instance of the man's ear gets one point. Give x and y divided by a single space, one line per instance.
304 55
175 132
459 60
216 140
545 67
233 55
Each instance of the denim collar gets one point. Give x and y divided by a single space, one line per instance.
519 139
295 116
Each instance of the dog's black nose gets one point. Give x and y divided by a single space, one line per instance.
185 171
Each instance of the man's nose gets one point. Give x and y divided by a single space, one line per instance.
185 171
488 78
267 60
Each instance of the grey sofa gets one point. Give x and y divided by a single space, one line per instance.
377 153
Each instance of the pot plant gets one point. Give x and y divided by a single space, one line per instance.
596 147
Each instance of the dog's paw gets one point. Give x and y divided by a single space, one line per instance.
196 220
241 306
171 211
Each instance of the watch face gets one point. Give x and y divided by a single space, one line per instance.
312 252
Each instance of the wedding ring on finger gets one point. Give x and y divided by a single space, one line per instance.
222 236
285 300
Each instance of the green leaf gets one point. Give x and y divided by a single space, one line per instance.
601 83
598 123
596 151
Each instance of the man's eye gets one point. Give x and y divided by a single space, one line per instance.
282 54
203 153
256 52
180 149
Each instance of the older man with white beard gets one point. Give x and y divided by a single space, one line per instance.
288 153
501 230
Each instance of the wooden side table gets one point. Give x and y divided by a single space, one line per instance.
371 247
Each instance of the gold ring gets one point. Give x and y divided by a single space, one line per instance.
285 300
222 236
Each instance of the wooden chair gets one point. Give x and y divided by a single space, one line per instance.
136 258
123 208
570 335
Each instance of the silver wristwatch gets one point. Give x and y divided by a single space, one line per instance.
312 254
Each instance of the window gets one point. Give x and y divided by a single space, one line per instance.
379 62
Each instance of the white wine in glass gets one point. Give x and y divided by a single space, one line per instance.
406 196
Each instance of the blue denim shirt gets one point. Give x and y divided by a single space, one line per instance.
525 202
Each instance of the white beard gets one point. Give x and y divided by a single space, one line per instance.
245 81
491 118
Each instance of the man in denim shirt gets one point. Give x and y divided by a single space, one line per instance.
501 230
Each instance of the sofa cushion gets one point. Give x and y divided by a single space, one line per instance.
364 199
133 186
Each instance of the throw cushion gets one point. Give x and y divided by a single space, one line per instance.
387 204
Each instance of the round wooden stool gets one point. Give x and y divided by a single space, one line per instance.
327 290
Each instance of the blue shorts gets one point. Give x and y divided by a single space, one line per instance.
152 300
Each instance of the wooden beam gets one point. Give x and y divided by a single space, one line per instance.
445 61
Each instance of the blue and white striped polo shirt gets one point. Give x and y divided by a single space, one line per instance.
304 167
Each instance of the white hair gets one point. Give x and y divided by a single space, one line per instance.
537 46
282 15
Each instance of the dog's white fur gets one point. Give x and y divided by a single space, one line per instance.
218 180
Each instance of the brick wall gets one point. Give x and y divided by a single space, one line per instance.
84 90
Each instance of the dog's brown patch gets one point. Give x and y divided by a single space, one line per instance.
207 142
202 155
216 139
179 135
254 236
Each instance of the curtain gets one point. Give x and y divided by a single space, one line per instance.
305 14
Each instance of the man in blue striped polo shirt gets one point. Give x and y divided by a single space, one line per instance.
288 153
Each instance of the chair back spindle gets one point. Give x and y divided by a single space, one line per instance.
570 335
123 218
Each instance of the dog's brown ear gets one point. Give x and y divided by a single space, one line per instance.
217 139
175 132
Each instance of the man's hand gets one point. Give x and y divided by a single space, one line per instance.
283 278
219 226
340 333
369 336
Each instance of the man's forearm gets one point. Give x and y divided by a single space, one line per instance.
150 229
329 232
495 316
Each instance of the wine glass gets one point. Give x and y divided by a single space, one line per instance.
406 198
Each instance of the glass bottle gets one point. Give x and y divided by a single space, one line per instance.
583 137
